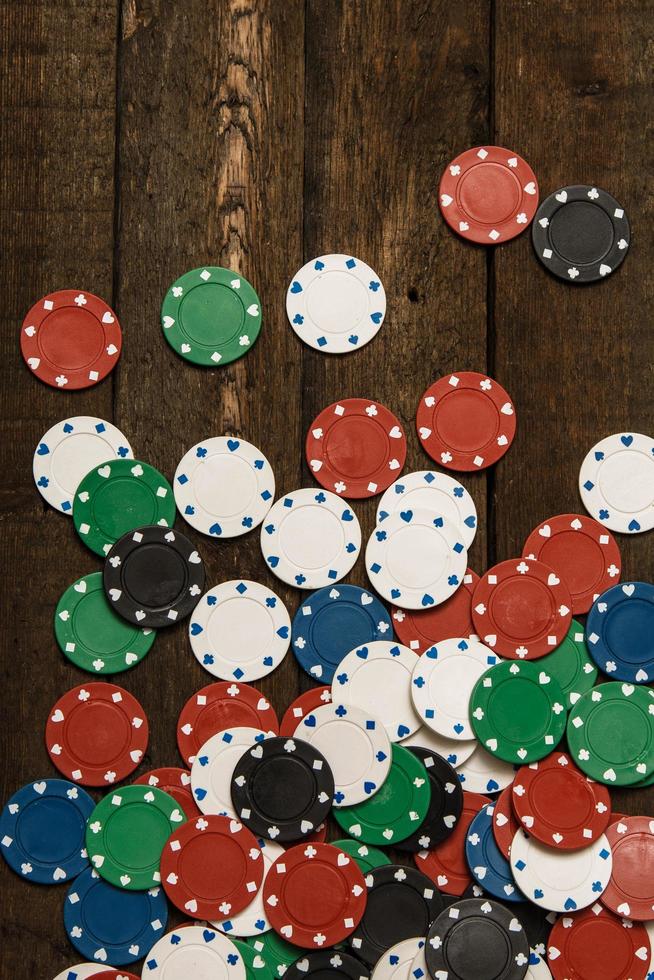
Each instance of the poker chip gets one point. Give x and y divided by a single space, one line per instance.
110 925
561 881
400 903
42 831
355 745
336 304
630 892
487 864
311 539
396 810
445 805
277 953
176 783
570 665
328 963
303 705
117 497
611 733
454 752
443 681
620 632
420 629
581 552
211 316
194 951
446 863
333 621
581 233
86 971
224 487
213 768
126 834
488 194
477 937
96 734
240 630
616 482
484 772
212 867
538 968
366 857
113 975
465 421
253 921
217 707
67 452
282 789
595 943
517 712
560 806
416 558
337 889
432 490
90 633
153 576
505 822
377 678
396 962
71 339
256 967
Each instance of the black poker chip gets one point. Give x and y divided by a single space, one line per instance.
445 806
535 920
153 576
477 937
327 964
581 233
402 902
282 789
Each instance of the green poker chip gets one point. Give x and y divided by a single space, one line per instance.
277 953
90 633
517 711
118 497
396 810
611 733
126 834
365 856
571 665
256 967
211 316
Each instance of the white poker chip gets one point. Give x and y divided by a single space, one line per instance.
376 677
560 881
416 558
197 952
82 971
419 970
443 680
252 921
70 450
311 538
538 968
483 773
616 482
336 303
240 630
433 491
224 487
355 745
397 962
454 752
213 768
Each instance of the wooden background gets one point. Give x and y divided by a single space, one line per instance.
145 138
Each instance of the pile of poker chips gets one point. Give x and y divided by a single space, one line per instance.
436 726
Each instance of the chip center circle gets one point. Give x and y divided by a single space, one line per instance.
579 557
561 799
334 621
120 503
629 631
315 894
581 232
77 455
633 867
626 481
71 338
198 961
489 193
283 788
311 537
116 633
134 835
417 556
97 733
48 828
466 420
356 447
519 710
450 684
240 629
522 607
211 314
594 949
490 949
347 749
212 865
336 302
154 575
102 916
618 731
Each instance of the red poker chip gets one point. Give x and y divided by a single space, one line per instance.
446 864
71 339
581 552
560 806
488 195
418 630
630 891
212 867
304 705
96 734
177 783
596 945
314 895
466 421
356 448
505 822
521 609
218 706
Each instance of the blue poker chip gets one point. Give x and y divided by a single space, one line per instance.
620 632
487 864
42 830
333 621
111 926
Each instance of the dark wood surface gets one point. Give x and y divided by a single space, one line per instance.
146 139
